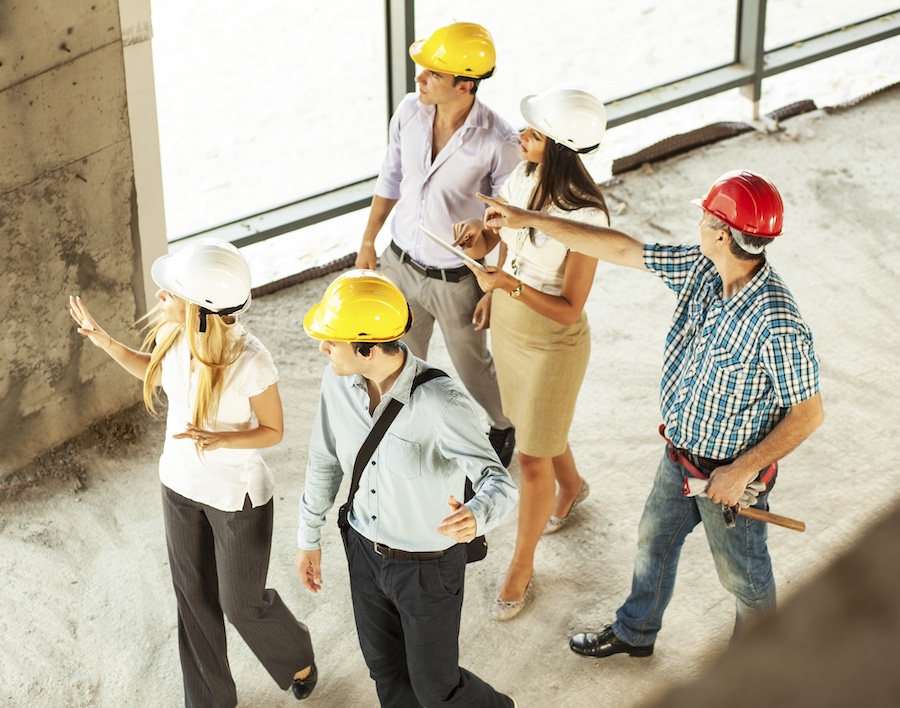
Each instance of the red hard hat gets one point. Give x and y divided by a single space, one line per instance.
747 202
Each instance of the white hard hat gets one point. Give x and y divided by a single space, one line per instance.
570 114
210 273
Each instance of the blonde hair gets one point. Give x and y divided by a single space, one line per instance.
214 351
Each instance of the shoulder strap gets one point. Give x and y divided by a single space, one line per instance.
380 428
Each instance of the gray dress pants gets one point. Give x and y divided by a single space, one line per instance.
452 306
219 562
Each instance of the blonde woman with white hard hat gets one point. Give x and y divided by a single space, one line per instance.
216 488
539 332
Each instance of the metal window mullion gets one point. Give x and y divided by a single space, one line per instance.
822 46
749 48
399 21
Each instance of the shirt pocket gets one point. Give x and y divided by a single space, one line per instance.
729 377
402 457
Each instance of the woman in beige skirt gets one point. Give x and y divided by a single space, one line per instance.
539 332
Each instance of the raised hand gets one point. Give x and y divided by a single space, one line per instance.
87 325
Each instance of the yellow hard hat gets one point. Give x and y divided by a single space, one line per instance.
461 49
359 306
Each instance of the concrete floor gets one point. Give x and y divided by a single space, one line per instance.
89 616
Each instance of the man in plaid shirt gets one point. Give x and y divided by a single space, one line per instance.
739 391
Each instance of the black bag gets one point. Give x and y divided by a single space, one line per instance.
477 548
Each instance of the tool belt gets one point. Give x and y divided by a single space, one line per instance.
700 467
449 275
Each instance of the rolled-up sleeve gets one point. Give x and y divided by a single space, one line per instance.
388 183
792 367
508 158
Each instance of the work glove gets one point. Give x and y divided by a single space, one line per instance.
696 487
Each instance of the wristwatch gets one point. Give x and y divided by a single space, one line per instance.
516 291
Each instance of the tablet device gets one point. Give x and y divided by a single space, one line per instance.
453 249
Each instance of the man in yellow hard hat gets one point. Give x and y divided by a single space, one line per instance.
445 145
404 528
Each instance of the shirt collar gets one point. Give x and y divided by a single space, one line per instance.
402 385
475 119
753 286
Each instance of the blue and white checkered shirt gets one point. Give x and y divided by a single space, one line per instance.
732 368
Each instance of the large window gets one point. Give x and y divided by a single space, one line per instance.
614 48
792 20
264 103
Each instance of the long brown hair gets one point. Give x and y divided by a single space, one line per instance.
214 351
564 181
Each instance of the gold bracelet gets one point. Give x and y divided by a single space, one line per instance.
517 291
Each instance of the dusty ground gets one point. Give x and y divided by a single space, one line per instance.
88 615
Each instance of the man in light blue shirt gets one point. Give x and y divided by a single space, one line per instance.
407 536
445 146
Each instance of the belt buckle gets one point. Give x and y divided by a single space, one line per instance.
377 550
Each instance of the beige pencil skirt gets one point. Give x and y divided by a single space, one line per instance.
540 366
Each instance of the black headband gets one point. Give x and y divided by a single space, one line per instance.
221 313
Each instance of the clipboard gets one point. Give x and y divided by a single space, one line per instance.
454 250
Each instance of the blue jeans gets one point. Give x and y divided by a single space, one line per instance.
740 554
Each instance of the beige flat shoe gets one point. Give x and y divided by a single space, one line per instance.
555 523
502 610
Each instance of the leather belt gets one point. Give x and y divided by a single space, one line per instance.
701 467
450 275
705 463
393 553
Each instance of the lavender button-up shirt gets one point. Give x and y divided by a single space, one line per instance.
438 193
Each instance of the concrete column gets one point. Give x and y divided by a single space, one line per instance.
137 31
68 218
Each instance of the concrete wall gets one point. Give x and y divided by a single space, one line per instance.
68 220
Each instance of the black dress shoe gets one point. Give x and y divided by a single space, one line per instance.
302 688
605 644
503 442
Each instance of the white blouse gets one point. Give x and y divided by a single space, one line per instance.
220 478
540 264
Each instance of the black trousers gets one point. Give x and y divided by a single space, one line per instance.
219 562
407 617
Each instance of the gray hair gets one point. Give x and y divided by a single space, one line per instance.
745 247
